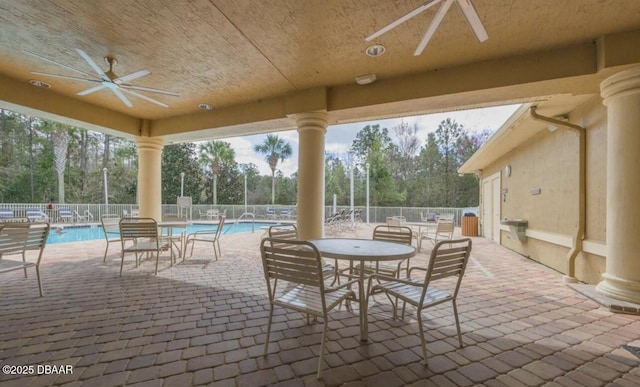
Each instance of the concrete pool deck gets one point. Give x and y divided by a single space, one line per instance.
202 322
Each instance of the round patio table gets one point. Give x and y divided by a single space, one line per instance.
362 250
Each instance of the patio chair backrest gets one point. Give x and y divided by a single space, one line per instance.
395 234
6 213
133 228
65 213
445 228
288 232
18 237
111 224
297 262
448 258
220 227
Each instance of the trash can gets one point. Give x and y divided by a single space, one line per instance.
470 225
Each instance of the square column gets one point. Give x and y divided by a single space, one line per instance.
150 176
311 130
621 94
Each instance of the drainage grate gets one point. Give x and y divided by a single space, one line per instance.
633 350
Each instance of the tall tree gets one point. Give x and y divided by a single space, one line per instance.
177 159
214 154
60 145
275 149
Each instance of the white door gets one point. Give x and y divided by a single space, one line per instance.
491 207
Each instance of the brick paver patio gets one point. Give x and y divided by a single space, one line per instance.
203 322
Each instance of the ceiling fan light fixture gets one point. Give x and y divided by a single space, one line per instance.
375 50
205 106
366 79
38 83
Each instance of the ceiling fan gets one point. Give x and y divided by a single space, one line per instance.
107 80
465 6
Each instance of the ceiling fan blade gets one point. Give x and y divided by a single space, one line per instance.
56 63
122 97
93 65
432 27
402 19
142 88
92 89
469 11
145 98
65 77
132 76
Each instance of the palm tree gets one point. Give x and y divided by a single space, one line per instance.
213 154
274 149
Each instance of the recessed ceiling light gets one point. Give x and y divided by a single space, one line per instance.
205 106
366 79
375 50
38 83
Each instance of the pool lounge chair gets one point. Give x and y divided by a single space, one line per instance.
79 218
36 215
65 215
6 213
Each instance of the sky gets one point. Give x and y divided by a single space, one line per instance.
339 137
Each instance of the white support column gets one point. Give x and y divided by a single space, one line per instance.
311 130
621 94
150 177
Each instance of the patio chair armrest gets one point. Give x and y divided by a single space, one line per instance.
348 283
416 268
387 278
202 232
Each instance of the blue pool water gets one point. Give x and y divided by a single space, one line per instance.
87 233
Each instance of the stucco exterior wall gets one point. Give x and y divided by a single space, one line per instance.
549 162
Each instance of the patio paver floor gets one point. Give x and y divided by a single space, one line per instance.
203 322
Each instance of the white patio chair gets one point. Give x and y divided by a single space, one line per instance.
111 229
289 232
18 238
395 234
140 235
448 259
207 236
294 274
443 231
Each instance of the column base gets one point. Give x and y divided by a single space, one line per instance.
619 288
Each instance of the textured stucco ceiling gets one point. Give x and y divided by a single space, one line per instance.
260 62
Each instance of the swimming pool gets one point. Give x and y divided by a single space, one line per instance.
94 232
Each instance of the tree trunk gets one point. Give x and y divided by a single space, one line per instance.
83 161
107 149
273 187
215 190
